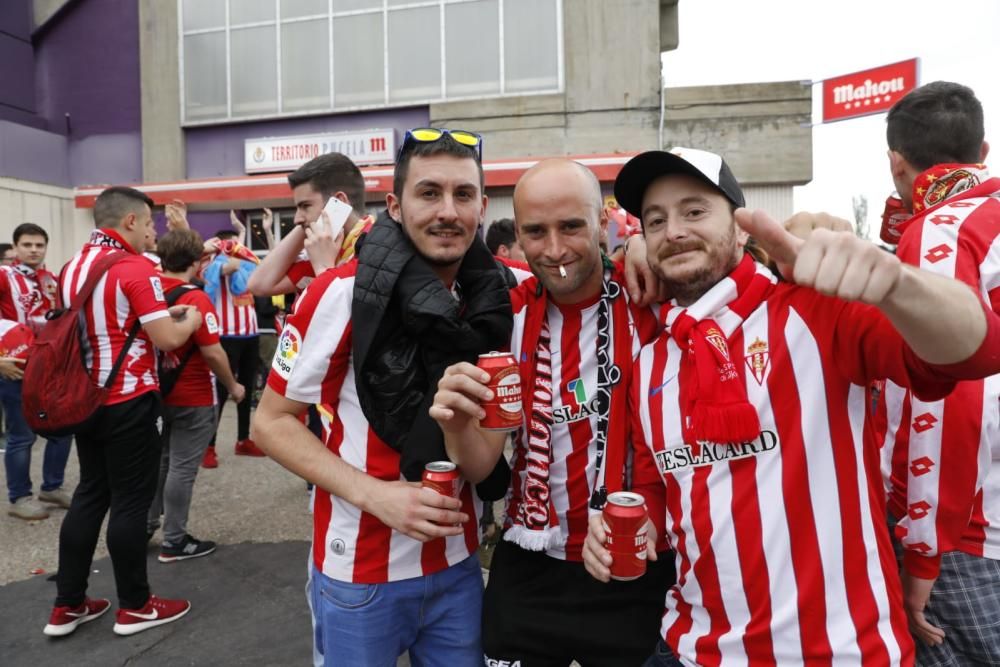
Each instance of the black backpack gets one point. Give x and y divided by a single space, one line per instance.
170 373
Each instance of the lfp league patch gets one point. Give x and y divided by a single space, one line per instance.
287 352
157 288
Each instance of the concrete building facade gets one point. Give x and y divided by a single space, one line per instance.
169 95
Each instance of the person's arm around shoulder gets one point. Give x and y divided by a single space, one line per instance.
167 328
457 409
169 333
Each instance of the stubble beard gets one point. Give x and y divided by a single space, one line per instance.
722 259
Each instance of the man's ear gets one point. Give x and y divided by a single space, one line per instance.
984 151
503 251
897 163
129 222
393 208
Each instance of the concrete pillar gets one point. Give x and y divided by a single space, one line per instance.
163 157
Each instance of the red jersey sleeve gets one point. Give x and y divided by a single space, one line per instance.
7 309
141 285
208 332
314 346
300 272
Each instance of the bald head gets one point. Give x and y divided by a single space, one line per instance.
557 175
559 219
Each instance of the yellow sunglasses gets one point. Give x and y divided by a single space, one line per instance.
427 135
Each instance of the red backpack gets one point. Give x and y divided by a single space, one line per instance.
58 395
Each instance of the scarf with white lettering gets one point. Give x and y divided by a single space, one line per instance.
714 404
533 523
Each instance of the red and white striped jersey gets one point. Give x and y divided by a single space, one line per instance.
27 294
941 459
573 347
314 364
783 554
130 290
237 314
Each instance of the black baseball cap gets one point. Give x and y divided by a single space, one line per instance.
643 169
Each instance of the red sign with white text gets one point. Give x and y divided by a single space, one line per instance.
867 92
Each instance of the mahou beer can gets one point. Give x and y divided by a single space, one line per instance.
503 412
624 519
442 476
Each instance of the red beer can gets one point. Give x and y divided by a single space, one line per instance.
624 518
442 476
503 412
894 215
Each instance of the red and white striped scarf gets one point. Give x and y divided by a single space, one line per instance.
714 404
535 524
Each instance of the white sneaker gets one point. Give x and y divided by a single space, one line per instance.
28 508
60 497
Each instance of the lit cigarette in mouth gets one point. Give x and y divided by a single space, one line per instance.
562 271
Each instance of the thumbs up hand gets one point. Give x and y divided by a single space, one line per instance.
834 263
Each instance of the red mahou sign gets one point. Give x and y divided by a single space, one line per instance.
869 91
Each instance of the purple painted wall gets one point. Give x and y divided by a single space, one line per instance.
17 72
88 89
33 155
218 150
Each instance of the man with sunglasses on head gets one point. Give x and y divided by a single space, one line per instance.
395 565
576 330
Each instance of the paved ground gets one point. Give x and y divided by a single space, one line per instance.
248 603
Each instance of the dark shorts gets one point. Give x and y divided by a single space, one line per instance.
546 612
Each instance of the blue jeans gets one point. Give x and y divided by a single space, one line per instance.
20 438
436 618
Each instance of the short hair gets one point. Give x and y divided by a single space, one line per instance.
937 123
29 229
224 234
179 249
500 233
445 145
4 247
116 202
330 173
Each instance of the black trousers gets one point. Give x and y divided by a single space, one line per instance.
119 462
547 612
244 358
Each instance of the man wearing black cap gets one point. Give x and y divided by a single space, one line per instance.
750 407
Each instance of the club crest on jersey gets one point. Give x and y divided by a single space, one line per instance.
758 360
211 323
715 337
288 351
157 288
585 405
708 453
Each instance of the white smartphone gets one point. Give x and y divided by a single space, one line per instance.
338 212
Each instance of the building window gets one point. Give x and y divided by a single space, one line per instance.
243 59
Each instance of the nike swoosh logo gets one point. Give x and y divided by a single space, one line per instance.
76 614
656 390
152 616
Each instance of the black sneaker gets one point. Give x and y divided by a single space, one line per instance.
189 548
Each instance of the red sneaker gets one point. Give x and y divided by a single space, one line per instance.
156 612
65 619
248 448
210 460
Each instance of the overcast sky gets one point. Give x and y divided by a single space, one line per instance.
742 41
